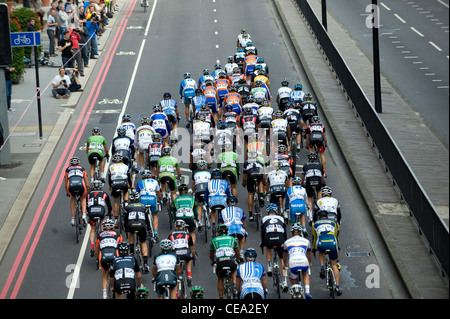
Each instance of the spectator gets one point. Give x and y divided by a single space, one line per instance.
92 27
76 37
51 31
61 84
8 71
84 44
75 84
65 46
64 21
31 27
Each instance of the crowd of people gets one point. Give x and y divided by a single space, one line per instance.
237 126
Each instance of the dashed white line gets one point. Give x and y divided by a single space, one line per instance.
443 3
385 6
417 31
398 17
435 46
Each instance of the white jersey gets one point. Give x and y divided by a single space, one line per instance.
201 177
118 171
243 41
297 192
229 68
143 137
130 130
122 143
265 113
328 204
260 93
284 92
202 130
277 177
297 247
148 186
279 125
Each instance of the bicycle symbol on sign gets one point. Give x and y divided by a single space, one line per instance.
22 39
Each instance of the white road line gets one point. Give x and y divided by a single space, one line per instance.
435 46
411 57
443 87
385 6
417 31
75 277
398 17
443 3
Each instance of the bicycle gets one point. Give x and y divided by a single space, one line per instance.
276 272
97 221
44 61
166 290
256 206
79 224
206 221
330 279
121 212
150 233
182 282
138 251
227 282
167 201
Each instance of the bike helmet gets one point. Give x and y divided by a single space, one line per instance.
156 137
271 208
282 148
167 96
218 66
284 83
202 117
183 188
298 87
222 125
121 132
117 158
308 97
204 108
250 254
205 72
216 173
146 174
97 185
123 248
166 245
296 291
157 108
260 60
197 292
326 191
265 102
222 229
142 293
222 74
243 31
96 131
248 109
198 91
322 214
179 224
187 75
145 120
74 161
315 119
232 201
252 154
296 181
108 224
312 157
133 195
126 118
230 59
201 164
258 83
166 151
278 114
296 228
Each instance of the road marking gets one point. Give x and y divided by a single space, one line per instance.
385 6
443 3
442 87
398 17
417 31
435 46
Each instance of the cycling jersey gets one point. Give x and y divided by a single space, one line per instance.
285 163
234 99
160 123
184 207
293 117
182 242
251 273
217 192
154 152
137 220
211 96
249 123
332 206
279 125
260 92
313 172
316 133
233 217
296 199
228 161
187 89
198 101
259 148
169 107
244 90
123 146
167 166
147 189
75 180
201 130
201 179
198 152
224 247
325 233
233 78
249 63
231 120
283 95
98 204
229 68
263 78
308 109
118 178
107 241
243 40
273 232
124 269
95 148
130 130
143 137
297 96
165 263
297 247
222 88
203 79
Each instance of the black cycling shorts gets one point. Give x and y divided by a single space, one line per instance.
164 179
231 176
93 156
277 190
139 227
117 186
311 184
252 180
225 263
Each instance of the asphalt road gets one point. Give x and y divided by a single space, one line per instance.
414 50
147 55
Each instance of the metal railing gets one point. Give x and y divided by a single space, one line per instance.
430 224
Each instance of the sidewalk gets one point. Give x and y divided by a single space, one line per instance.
29 152
418 268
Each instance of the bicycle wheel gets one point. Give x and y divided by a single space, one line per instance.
120 217
276 275
256 209
331 283
54 64
206 223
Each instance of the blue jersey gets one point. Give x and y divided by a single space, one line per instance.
199 100
251 273
169 106
217 192
233 217
203 79
297 95
131 130
160 123
296 199
187 88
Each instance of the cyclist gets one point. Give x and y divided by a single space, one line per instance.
98 205
277 185
250 48
77 183
239 57
201 83
295 122
119 180
249 123
308 109
202 129
261 75
228 162
200 178
166 269
184 206
198 100
233 98
313 178
129 126
187 92
265 113
160 123
212 98
221 85
243 39
273 236
297 94
251 277
249 64
260 90
243 89
199 151
96 148
183 246
234 218
224 135
123 145
155 152
217 70
223 252
231 118
230 66
216 194
280 129
106 249
167 165
150 195
260 62
325 237
254 178
316 136
136 220
170 108
235 76
298 251
297 201
285 162
143 139
329 204
283 95
197 292
142 293
125 270
255 145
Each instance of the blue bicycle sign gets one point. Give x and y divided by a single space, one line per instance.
25 39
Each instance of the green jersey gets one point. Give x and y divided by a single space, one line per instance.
224 247
184 207
167 166
96 144
228 161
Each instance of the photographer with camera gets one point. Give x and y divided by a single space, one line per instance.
61 84
92 27
65 46
77 56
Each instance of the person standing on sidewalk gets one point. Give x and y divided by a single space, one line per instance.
76 37
92 27
8 71
65 46
51 31
84 43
